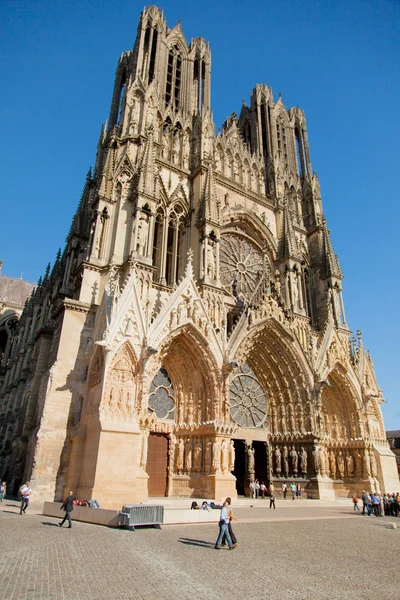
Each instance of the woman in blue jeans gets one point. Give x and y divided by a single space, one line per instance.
223 528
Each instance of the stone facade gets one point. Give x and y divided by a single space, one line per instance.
192 335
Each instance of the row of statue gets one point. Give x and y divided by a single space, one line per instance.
202 455
292 461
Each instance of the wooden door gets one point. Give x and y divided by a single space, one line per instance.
157 463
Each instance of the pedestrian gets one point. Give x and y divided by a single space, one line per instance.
25 493
375 503
355 502
3 490
293 490
68 506
252 489
263 489
272 501
365 500
298 490
223 528
271 488
284 490
231 518
257 488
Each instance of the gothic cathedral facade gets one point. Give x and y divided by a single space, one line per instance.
192 338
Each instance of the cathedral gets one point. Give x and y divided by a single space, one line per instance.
191 338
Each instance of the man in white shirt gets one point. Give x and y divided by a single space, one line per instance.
25 492
223 528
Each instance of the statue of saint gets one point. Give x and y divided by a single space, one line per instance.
332 464
285 460
224 457
216 457
367 464
340 463
303 461
322 463
294 459
198 452
374 466
358 464
188 456
250 459
278 461
316 456
143 231
350 465
179 456
231 456
210 261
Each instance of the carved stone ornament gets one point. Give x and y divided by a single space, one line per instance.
241 264
248 403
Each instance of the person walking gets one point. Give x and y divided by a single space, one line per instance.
68 506
272 501
293 490
257 488
355 502
3 490
231 518
284 489
365 500
263 489
223 528
25 492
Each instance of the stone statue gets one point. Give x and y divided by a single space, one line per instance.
303 461
285 460
374 466
332 464
367 464
143 231
210 261
188 456
350 465
315 455
176 147
295 291
358 464
143 458
294 459
278 461
322 462
179 456
215 457
207 457
198 451
231 456
224 457
340 463
250 459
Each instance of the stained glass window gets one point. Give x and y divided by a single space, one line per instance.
161 398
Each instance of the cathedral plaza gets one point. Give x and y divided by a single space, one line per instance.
301 551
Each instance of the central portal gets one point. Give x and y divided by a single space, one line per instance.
251 463
157 464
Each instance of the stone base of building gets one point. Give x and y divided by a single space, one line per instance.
214 486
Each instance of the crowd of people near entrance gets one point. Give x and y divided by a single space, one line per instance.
379 505
260 490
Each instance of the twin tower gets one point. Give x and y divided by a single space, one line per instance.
192 338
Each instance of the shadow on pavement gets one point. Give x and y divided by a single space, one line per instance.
50 524
11 512
201 543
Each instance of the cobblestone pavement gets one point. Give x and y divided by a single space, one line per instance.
336 556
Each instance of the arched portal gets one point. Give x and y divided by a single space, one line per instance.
184 403
278 443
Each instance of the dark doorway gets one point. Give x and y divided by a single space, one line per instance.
157 463
240 466
261 462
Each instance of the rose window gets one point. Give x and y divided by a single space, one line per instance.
241 264
161 398
247 400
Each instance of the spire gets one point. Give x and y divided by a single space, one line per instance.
80 220
330 261
209 207
146 171
288 244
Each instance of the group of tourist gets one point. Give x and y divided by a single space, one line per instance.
380 505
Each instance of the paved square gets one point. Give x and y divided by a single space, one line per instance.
336 555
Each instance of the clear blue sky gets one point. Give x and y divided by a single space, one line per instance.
338 60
